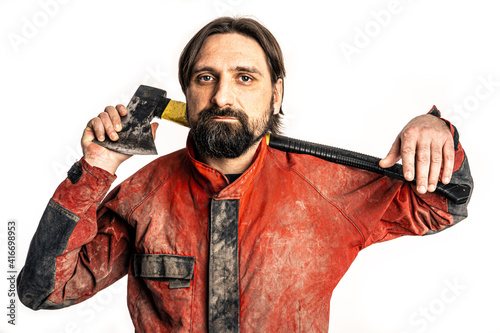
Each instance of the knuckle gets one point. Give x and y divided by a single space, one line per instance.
410 130
422 178
408 133
95 122
408 150
446 132
432 179
449 168
450 157
423 158
121 108
436 159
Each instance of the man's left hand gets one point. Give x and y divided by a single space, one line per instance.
425 145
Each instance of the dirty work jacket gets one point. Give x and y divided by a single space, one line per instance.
262 254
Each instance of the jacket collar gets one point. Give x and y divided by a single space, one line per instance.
215 183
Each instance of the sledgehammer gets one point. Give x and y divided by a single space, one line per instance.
149 102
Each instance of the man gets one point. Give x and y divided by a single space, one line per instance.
229 234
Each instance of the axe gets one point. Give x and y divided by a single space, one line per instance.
136 138
149 102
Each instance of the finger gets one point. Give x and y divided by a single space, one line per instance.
393 156
122 110
114 116
108 125
154 127
422 159
449 161
436 160
95 125
408 148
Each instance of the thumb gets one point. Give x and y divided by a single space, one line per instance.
88 135
154 127
393 156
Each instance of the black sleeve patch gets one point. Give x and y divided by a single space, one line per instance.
179 270
75 173
37 279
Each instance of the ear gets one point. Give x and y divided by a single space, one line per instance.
278 95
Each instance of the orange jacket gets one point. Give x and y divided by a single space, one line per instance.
298 222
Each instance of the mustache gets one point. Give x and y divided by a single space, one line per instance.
208 113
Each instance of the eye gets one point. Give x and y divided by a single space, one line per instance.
245 78
205 78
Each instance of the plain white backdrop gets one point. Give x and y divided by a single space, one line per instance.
356 73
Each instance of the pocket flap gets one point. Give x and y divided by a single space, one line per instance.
164 266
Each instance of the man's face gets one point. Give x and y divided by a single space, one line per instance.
230 97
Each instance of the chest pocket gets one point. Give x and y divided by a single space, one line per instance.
178 270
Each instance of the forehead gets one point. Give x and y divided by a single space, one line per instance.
232 50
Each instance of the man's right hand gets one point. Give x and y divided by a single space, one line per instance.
107 123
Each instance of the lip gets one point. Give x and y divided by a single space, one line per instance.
224 118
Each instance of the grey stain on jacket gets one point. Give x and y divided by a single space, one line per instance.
223 298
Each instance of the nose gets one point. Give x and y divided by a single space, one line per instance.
223 94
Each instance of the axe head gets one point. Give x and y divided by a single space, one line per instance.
136 138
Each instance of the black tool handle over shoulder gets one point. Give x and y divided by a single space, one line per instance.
456 193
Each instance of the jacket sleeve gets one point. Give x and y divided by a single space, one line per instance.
77 248
408 212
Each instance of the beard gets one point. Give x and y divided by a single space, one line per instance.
222 139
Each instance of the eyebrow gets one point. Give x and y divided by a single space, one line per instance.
251 69
248 69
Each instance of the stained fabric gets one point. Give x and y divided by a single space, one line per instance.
223 280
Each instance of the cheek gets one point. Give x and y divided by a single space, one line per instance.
252 98
197 99
192 103
258 105
190 97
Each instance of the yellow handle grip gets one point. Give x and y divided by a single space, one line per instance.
175 111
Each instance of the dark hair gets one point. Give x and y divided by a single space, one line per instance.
244 26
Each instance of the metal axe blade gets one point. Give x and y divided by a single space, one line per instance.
136 138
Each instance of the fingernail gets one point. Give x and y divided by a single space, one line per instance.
115 136
431 188
118 127
422 189
409 175
446 180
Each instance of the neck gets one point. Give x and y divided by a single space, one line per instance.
236 165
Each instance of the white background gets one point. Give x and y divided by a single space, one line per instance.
356 73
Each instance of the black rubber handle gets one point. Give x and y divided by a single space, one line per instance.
456 193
